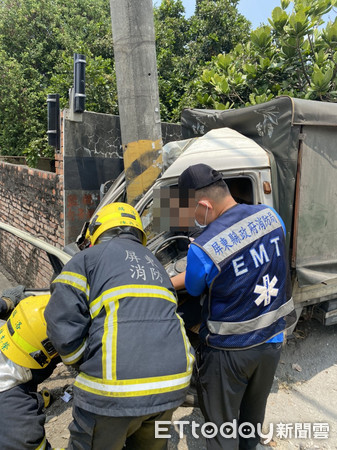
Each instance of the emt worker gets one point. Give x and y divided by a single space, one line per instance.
27 358
113 313
239 263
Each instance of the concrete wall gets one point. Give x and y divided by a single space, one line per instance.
31 200
92 155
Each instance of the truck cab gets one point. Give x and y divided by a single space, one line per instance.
228 152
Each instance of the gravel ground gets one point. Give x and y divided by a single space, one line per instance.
304 396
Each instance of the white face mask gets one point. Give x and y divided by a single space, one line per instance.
197 223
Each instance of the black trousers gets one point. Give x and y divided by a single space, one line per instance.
90 431
233 386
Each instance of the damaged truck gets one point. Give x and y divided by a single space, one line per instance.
282 153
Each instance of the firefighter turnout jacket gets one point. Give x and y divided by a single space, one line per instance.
113 310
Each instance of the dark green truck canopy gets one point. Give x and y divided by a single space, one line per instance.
299 135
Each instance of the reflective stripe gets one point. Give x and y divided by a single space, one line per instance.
189 356
241 234
74 279
43 444
75 356
20 342
110 300
133 388
109 341
249 326
134 290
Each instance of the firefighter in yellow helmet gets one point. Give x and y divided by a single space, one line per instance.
26 359
112 313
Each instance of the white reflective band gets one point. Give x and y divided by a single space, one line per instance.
78 281
75 356
99 385
189 356
241 234
130 291
249 326
108 343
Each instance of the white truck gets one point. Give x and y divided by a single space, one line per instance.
282 153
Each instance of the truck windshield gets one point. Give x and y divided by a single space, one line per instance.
241 189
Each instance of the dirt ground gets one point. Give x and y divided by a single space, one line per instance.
303 397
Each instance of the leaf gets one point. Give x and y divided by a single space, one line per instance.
285 4
207 76
221 105
261 37
220 83
298 23
330 34
297 367
223 61
279 19
249 68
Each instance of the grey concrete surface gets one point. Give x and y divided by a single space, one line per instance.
6 280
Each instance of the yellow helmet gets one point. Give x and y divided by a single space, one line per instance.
111 216
23 338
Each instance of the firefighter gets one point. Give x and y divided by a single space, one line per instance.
112 313
26 359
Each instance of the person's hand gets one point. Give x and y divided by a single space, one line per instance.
13 296
191 240
178 281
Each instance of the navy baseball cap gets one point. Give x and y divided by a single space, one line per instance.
198 176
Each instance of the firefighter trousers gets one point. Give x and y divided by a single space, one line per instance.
22 419
90 431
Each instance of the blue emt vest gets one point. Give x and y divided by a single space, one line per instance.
251 295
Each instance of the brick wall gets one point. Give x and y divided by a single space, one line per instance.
31 200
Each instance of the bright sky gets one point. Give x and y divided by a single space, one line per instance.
256 11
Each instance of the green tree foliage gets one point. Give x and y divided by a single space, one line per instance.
293 55
185 45
37 41
211 59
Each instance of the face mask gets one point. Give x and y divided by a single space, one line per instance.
197 223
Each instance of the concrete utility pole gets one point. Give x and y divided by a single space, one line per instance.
138 97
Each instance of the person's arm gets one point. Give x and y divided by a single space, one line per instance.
10 298
178 281
199 272
67 313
